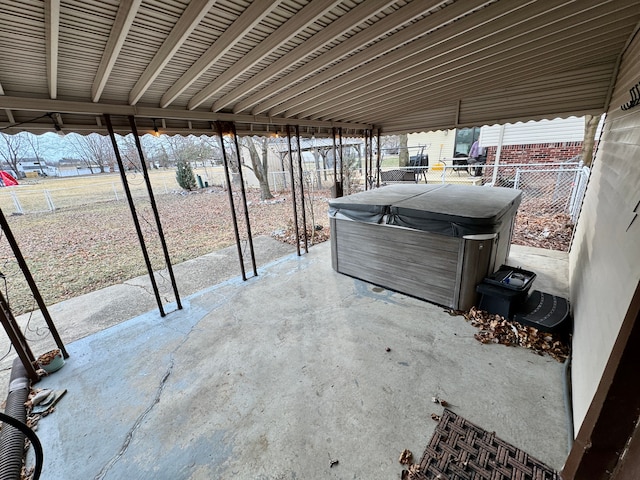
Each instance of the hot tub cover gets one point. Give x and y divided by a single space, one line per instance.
452 210
372 206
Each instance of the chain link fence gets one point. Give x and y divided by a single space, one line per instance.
552 193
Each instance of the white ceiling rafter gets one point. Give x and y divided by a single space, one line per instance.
358 41
335 29
7 110
92 109
252 16
188 21
411 40
548 73
563 51
124 18
52 42
406 69
307 15
395 64
425 98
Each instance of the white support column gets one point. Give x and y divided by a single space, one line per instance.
498 151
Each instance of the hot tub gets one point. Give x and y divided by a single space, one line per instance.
434 242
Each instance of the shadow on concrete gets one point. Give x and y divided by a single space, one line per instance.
276 377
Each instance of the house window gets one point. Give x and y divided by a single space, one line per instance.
464 139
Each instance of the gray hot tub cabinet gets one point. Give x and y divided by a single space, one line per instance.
434 242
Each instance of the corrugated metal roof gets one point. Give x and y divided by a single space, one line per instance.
393 65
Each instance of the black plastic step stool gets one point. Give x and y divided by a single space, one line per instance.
545 312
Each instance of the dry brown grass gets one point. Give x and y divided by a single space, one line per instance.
80 249
88 244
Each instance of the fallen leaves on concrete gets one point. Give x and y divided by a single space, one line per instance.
413 473
440 401
406 457
497 329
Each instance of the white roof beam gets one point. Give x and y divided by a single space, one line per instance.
428 100
52 35
90 108
427 96
251 17
121 25
430 95
188 21
477 77
7 110
401 39
561 50
426 45
337 28
378 29
307 15
518 38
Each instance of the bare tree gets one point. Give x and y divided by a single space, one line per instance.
230 150
34 144
11 151
188 149
590 127
403 159
259 167
96 151
389 144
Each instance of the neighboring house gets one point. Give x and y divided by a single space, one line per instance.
438 145
556 140
28 167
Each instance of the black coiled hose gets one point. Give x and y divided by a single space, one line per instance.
30 434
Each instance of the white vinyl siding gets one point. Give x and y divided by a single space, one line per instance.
605 255
544 131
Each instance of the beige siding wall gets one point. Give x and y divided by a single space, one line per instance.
605 255
438 144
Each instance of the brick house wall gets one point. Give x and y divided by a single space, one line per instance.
535 153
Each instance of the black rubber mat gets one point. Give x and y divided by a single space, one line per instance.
460 450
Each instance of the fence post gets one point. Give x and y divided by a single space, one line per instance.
516 181
16 203
47 196
115 191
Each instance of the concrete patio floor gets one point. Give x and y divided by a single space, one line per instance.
276 377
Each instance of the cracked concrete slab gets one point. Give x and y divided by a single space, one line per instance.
276 377
81 316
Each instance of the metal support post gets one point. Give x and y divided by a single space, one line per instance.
366 159
244 200
221 127
132 208
341 158
378 162
154 207
18 340
304 212
293 192
32 284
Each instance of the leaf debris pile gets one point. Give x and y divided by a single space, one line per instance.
537 229
497 329
317 234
